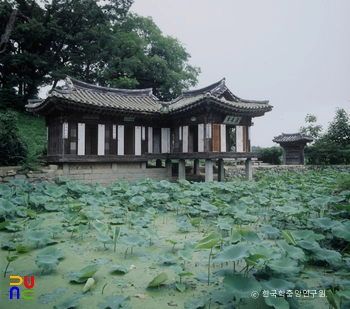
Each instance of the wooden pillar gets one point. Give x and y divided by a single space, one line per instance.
182 169
196 167
168 167
248 169
221 170
208 170
158 163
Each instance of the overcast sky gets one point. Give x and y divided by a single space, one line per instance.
296 54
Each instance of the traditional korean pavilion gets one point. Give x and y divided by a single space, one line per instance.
94 124
293 145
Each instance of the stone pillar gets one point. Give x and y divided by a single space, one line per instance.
182 169
196 167
208 170
168 167
65 169
143 165
158 163
221 170
248 169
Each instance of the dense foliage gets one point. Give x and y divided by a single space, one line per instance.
332 147
13 149
272 155
224 243
96 43
22 139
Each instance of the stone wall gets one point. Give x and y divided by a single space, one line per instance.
239 170
106 173
102 173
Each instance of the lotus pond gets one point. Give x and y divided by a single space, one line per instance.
279 241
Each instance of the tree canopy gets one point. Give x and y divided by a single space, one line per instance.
332 147
102 44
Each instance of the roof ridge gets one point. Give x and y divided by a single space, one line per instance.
72 83
210 88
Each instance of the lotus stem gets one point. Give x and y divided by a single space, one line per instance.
211 250
6 268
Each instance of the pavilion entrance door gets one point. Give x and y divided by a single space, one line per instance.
129 140
91 136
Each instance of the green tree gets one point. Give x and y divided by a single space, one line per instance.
339 129
144 58
95 43
60 37
312 129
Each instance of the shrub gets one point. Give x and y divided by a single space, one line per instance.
272 155
13 149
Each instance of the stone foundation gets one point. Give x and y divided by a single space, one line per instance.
106 173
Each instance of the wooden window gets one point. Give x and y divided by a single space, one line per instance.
216 138
107 139
73 138
165 138
156 140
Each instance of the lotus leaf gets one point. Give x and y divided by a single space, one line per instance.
291 251
181 287
288 236
270 231
232 253
50 297
277 284
342 230
133 240
46 262
277 302
119 269
330 256
53 251
84 274
99 226
284 265
114 302
324 223
209 241
137 200
310 246
240 286
94 215
158 280
38 237
185 254
167 258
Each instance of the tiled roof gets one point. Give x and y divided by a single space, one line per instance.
292 137
217 93
77 93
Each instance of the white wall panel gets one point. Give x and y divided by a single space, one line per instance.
101 140
137 140
81 139
120 140
223 137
